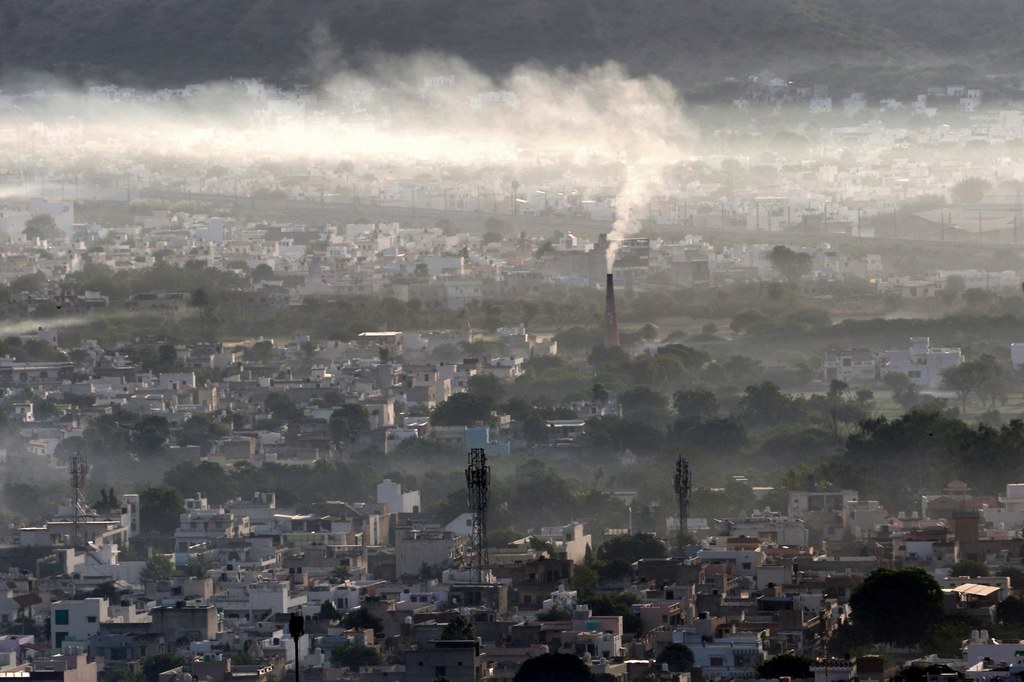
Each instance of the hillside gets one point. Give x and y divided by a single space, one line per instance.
693 43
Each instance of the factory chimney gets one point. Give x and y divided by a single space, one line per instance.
611 324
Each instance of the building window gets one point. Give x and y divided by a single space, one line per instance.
61 617
90 619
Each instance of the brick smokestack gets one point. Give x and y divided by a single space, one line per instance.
611 324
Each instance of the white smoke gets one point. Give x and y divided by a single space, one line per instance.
599 127
29 326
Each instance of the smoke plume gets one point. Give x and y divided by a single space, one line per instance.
599 128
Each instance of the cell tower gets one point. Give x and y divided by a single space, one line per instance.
478 483
79 469
681 483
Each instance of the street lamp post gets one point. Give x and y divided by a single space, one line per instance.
296 628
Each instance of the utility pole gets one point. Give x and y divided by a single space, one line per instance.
296 628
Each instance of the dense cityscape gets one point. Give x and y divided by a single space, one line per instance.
421 373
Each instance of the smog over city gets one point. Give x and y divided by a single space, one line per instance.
522 341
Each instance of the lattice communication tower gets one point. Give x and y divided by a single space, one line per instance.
79 469
682 484
478 484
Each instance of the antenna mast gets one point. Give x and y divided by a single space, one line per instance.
478 483
79 469
682 484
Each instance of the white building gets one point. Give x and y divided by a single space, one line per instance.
1017 354
731 656
77 620
1011 512
850 366
922 364
390 493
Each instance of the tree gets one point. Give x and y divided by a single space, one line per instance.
555 613
328 611
108 501
201 300
695 404
486 385
720 434
160 509
263 272
785 665
969 568
281 407
152 666
897 605
1015 575
790 264
362 619
904 391
197 566
1010 611
955 286
202 429
765 405
151 434
644 405
462 409
347 421
42 227
679 658
353 656
971 377
459 627
631 548
605 604
106 591
214 482
159 567
553 668
104 435
970 190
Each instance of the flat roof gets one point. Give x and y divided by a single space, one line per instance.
975 589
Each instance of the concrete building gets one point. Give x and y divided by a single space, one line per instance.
77 621
852 366
202 524
458 660
194 622
922 364
416 549
390 493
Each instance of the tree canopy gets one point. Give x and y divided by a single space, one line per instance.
897 605
553 668
785 665
42 227
631 548
791 265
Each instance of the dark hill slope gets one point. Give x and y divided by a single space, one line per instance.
690 42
